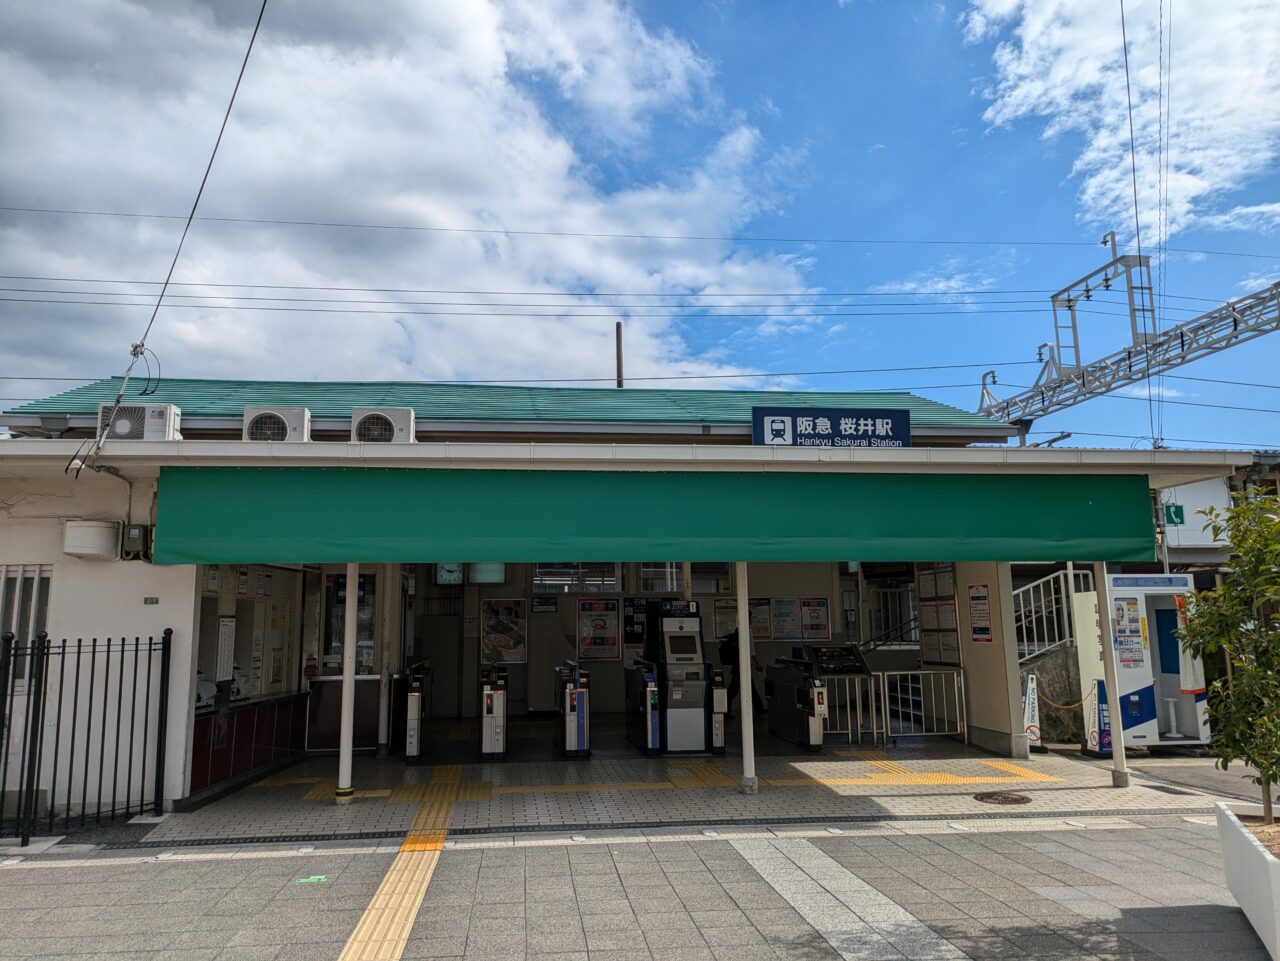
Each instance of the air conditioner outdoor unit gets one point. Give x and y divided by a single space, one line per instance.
139 422
288 425
382 425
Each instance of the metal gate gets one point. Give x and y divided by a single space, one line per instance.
82 730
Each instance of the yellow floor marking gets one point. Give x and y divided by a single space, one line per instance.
380 792
323 789
1024 773
432 822
384 928
475 791
279 780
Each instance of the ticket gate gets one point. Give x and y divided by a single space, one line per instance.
797 702
642 707
573 732
719 708
417 713
493 712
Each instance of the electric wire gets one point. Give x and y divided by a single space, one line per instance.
1178 440
1180 403
138 350
612 315
881 292
1137 223
714 238
681 307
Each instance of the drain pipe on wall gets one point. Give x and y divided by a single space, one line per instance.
1110 670
746 703
346 739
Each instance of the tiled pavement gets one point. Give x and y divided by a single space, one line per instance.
1141 892
937 781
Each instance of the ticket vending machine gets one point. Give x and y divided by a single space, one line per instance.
1162 689
683 685
573 732
493 712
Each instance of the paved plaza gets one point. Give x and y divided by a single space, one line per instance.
848 854
1139 888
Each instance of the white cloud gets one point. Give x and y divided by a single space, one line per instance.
1260 218
1062 61
953 276
1258 280
416 114
1156 391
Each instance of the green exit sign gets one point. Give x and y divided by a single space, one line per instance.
1174 515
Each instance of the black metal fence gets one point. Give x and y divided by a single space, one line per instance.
82 731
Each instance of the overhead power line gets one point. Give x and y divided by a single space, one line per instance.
685 307
1177 440
580 380
612 315
880 292
1180 403
592 235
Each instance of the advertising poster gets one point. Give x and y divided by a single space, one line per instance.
980 612
1129 630
815 618
726 617
786 619
503 638
224 668
598 636
761 618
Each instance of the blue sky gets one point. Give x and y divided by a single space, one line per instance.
922 123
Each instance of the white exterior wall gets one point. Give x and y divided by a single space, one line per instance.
102 598
993 692
1194 498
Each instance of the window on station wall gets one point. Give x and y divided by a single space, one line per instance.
711 577
587 577
24 608
335 612
659 577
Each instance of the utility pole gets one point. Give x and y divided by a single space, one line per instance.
617 330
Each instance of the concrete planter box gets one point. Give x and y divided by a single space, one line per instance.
1253 873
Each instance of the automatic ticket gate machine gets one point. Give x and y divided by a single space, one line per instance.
642 725
417 686
797 701
573 732
493 712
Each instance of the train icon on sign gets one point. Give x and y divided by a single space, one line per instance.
778 430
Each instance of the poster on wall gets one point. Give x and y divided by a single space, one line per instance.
1130 639
503 638
633 624
815 617
980 613
224 669
725 620
786 619
759 609
598 635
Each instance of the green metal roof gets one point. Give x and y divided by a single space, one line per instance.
475 402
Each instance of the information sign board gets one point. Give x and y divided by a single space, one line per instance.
830 427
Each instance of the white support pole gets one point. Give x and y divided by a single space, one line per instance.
686 580
746 703
1110 670
346 737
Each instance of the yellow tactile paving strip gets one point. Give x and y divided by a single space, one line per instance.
383 929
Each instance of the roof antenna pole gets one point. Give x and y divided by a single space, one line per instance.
617 329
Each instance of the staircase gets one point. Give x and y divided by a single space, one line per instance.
1042 617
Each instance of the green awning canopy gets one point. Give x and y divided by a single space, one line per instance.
292 515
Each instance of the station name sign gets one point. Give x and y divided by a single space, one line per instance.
830 427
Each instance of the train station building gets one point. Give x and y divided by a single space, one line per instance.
488 536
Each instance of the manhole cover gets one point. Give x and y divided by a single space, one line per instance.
1002 797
